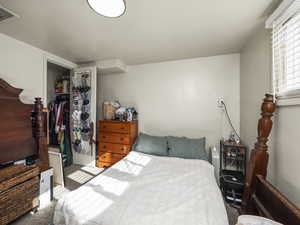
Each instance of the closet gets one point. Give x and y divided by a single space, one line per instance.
71 103
58 104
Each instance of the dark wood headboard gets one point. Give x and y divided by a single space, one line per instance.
260 197
22 131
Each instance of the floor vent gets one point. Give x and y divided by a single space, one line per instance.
6 13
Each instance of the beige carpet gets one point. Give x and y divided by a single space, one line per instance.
232 214
75 176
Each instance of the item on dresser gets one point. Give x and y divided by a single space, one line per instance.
115 141
114 111
109 109
126 114
19 191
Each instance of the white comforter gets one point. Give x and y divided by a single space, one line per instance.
146 190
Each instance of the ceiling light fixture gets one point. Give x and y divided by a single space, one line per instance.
108 8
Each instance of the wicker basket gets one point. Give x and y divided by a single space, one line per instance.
19 191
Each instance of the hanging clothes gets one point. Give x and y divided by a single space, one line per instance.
59 125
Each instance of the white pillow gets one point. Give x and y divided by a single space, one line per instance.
255 220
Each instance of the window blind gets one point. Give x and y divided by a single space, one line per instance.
286 52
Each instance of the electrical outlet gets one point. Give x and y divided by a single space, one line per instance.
220 102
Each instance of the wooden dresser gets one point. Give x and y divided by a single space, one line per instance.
115 141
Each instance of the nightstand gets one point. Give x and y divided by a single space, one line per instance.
232 171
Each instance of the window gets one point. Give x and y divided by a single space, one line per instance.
286 52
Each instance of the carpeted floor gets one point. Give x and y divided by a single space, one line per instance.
75 176
232 214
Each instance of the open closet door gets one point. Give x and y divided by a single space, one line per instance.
83 115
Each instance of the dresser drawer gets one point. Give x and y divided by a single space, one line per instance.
114 138
115 141
115 127
114 148
109 157
104 164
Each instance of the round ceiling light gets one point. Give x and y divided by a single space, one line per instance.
108 8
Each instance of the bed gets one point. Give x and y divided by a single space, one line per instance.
146 189
143 189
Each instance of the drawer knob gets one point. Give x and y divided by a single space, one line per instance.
104 136
104 157
122 128
122 139
104 126
104 146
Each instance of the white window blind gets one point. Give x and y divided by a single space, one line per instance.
286 52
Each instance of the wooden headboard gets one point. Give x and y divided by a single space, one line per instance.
22 128
260 197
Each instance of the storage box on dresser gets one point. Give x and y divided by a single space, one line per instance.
19 191
115 141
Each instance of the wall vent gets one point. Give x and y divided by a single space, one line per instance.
6 13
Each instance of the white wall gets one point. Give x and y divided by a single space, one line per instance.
284 151
287 152
180 97
255 83
22 66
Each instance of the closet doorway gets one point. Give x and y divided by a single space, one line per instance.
58 104
71 102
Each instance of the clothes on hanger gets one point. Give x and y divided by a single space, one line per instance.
59 125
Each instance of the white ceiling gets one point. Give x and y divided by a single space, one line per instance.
150 30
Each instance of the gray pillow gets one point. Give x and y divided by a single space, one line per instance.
153 145
187 148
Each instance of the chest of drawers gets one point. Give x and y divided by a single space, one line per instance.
115 141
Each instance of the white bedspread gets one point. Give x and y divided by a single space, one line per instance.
146 190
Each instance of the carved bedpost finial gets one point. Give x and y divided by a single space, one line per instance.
39 117
258 162
265 123
39 132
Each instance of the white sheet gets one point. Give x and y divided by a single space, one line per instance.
146 190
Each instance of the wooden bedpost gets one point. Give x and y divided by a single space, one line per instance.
258 162
39 133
